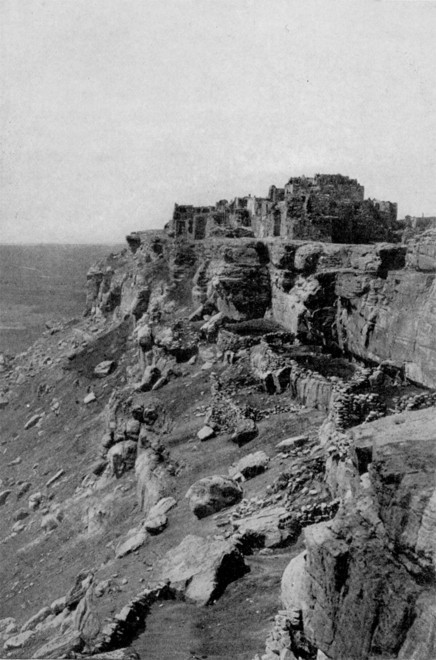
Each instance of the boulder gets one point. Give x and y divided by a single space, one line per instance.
50 521
121 457
98 467
89 398
150 376
163 380
22 490
245 431
156 524
33 421
105 368
78 590
201 568
18 641
20 514
132 543
271 527
5 623
162 507
35 501
211 494
145 338
58 605
205 433
4 496
210 328
251 465
133 427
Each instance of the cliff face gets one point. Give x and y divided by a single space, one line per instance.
374 301
370 569
253 358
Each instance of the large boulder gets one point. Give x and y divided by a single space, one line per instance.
251 465
211 494
201 568
245 430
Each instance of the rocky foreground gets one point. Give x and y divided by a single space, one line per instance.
242 429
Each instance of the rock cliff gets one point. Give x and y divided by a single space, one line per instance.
225 402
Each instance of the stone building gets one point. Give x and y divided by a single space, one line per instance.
326 207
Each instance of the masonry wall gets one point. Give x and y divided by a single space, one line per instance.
327 207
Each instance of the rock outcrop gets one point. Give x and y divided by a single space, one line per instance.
200 569
211 494
307 350
360 589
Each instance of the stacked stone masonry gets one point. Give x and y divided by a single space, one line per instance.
326 207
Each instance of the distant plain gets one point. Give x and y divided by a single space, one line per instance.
40 283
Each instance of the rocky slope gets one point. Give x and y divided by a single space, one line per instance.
225 409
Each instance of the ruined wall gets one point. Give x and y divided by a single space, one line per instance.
327 207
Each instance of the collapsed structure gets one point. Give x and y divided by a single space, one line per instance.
326 207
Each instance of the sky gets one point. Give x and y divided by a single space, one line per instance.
113 110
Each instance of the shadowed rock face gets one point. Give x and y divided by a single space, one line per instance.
374 301
364 587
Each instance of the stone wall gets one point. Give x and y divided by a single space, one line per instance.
327 207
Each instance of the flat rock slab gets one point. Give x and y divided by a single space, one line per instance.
201 568
132 543
105 368
162 507
271 527
61 645
33 421
293 443
18 641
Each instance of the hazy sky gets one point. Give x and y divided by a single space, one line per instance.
112 110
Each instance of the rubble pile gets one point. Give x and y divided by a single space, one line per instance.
413 402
